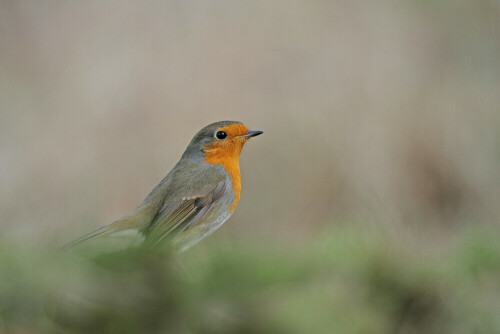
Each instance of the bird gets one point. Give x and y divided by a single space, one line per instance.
196 197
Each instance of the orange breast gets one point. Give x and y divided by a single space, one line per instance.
226 153
232 167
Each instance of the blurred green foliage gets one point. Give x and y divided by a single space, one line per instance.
384 113
348 280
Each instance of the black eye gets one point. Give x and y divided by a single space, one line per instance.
220 135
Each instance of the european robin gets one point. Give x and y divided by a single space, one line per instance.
198 195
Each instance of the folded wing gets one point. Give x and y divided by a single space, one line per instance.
180 214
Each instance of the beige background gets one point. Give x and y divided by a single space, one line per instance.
384 114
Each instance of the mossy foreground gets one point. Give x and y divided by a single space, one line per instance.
347 281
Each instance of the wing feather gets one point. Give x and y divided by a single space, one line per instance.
176 216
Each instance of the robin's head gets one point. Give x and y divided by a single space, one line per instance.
221 140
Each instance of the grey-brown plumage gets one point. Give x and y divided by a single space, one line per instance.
193 200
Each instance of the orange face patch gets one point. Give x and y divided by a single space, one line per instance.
226 152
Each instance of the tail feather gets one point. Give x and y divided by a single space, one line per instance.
136 220
101 231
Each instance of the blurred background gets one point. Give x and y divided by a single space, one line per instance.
380 115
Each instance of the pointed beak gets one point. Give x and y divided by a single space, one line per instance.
249 134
